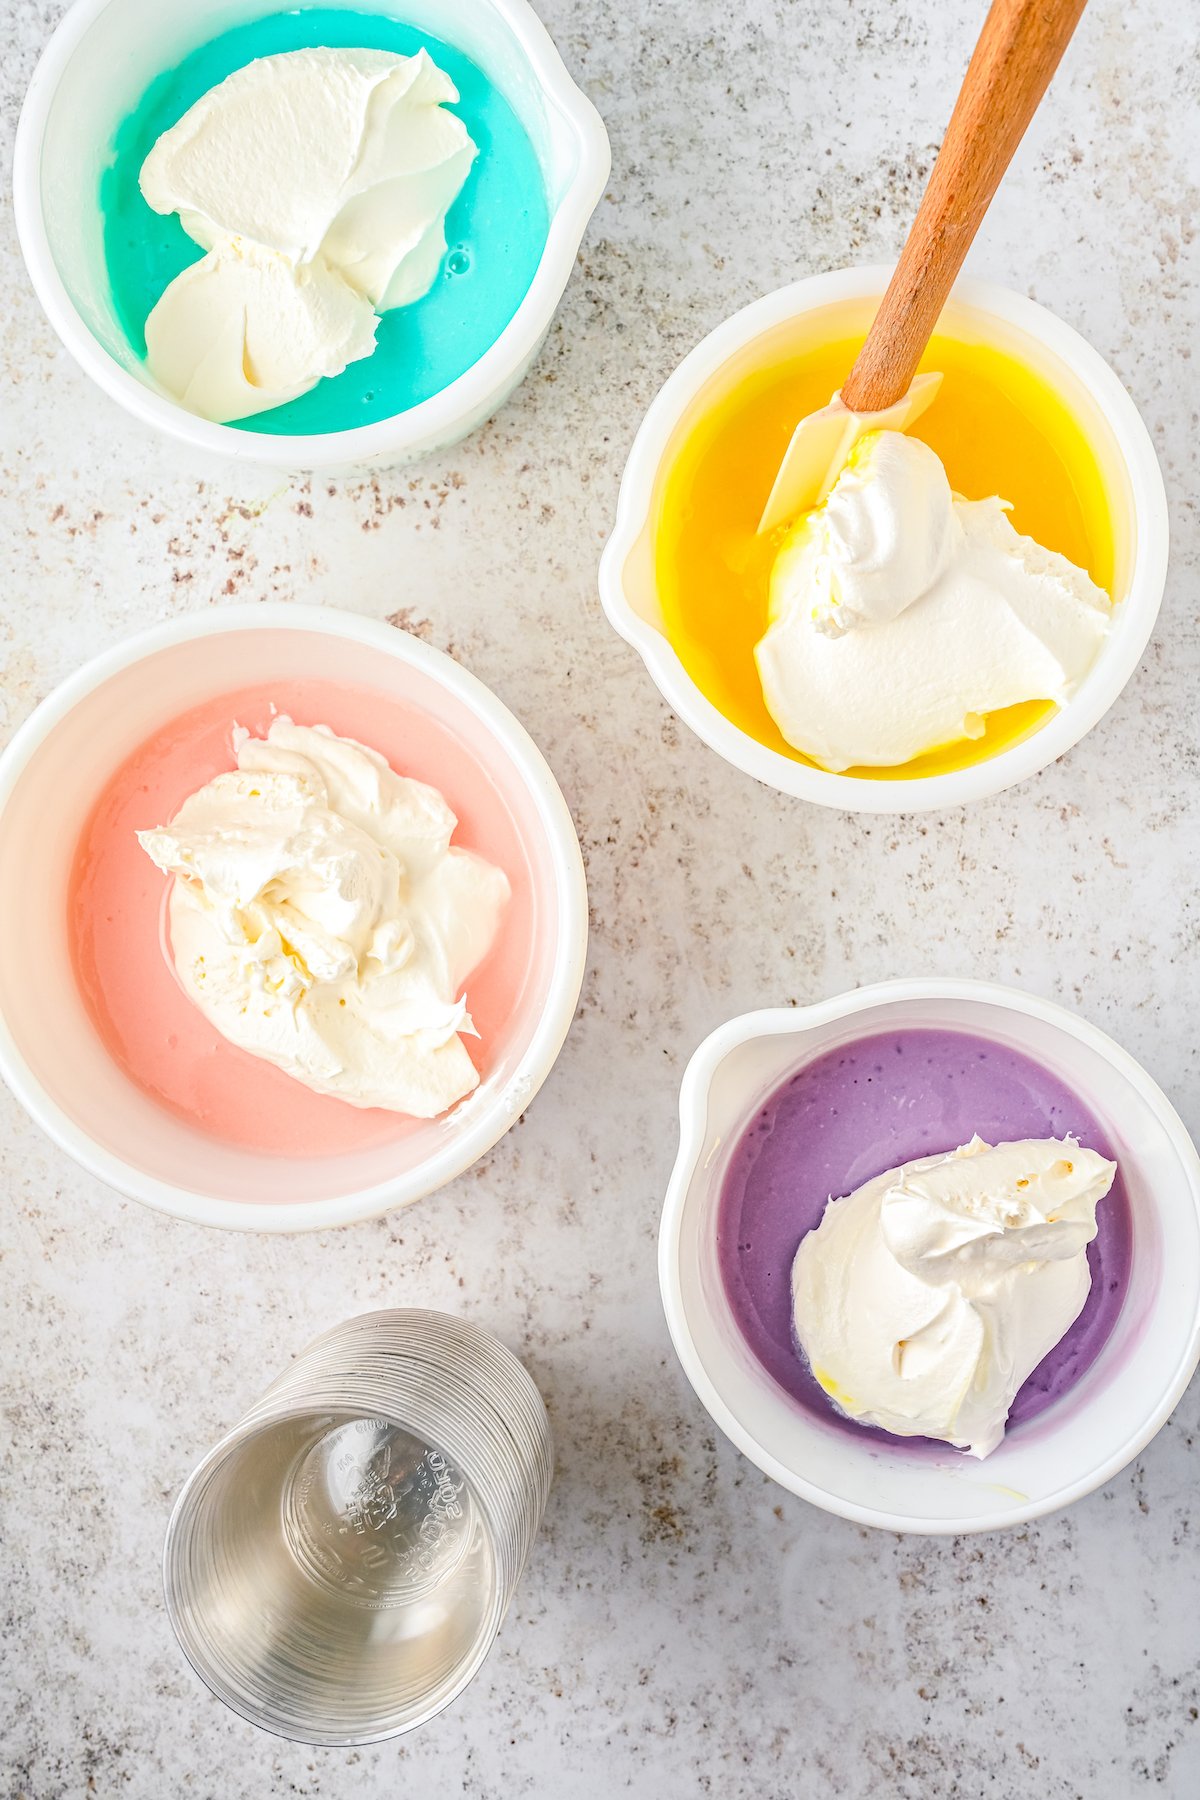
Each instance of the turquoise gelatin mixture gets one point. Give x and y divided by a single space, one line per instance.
495 231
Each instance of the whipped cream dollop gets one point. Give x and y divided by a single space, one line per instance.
927 1297
321 918
901 615
318 183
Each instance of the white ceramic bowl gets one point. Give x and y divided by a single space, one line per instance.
1077 1443
51 1055
979 310
93 73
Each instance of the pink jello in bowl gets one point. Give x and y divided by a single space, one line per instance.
97 1037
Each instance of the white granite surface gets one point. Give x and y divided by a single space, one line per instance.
685 1627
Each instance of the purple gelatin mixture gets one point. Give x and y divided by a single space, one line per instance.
869 1106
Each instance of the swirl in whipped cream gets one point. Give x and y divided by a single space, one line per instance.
927 1297
321 918
901 615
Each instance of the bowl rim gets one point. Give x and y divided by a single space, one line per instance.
1104 682
783 1021
419 430
565 981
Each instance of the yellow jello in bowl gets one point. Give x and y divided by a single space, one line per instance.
1026 410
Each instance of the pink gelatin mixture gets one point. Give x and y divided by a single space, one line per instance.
118 919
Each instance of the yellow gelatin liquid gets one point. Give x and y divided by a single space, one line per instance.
999 428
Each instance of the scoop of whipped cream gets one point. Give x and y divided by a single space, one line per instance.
321 919
242 329
927 1297
318 182
900 614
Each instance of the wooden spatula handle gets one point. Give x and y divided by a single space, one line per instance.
1018 51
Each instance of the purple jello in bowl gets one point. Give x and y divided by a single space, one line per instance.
782 1108
867 1106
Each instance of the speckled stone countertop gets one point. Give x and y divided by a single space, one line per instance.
685 1626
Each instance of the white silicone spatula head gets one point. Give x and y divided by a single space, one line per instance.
822 442
1018 51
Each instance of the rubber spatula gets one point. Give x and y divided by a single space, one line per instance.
1018 51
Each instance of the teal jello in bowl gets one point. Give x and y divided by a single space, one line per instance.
120 73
